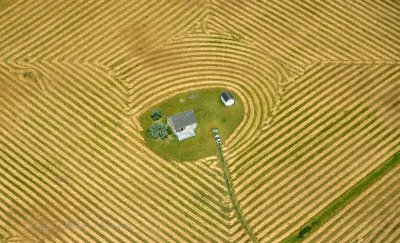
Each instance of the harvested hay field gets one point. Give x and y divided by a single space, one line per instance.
320 87
374 216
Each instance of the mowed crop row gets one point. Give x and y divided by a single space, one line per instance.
74 167
300 33
372 217
58 130
69 129
87 31
318 146
85 143
193 63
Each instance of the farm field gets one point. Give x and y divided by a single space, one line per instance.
6 3
372 217
318 81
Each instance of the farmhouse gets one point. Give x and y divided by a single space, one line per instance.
227 98
183 124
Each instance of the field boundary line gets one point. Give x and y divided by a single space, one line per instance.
340 202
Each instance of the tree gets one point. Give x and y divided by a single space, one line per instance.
158 130
303 232
156 114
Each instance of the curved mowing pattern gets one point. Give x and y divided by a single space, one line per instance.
320 84
318 145
198 62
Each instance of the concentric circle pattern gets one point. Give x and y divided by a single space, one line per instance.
201 61
320 82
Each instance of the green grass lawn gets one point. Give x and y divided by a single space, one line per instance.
210 112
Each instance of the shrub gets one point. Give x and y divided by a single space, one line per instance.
156 114
303 232
169 130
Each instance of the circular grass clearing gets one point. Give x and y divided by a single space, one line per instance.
210 113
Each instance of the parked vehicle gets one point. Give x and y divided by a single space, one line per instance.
218 139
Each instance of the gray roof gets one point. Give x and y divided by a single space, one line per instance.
183 119
226 96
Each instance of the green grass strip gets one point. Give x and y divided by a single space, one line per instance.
338 204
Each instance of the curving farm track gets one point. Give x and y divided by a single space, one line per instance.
319 81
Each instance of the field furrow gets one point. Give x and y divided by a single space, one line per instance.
319 83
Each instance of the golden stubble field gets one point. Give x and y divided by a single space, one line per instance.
319 82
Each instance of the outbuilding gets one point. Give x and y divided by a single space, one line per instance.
227 98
